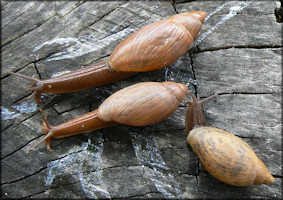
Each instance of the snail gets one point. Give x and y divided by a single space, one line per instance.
152 47
141 104
225 156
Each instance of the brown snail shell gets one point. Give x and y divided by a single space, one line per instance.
228 158
159 44
132 107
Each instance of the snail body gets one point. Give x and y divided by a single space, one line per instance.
152 47
141 104
225 156
80 79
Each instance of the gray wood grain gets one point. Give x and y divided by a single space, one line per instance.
238 56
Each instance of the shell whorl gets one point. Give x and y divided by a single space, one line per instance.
192 21
178 89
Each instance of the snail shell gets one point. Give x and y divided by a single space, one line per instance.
159 44
143 103
228 158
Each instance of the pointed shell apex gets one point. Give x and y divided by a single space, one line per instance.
200 15
178 89
263 176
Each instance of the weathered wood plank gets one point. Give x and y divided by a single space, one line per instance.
238 55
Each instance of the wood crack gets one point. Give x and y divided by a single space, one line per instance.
20 179
55 187
13 152
24 145
240 47
26 32
68 110
174 6
34 61
193 74
9 126
78 4
135 13
14 20
247 93
141 195
115 167
99 19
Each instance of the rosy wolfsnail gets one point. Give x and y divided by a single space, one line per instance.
152 47
141 104
225 156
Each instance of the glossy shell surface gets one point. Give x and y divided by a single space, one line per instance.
228 158
159 44
143 103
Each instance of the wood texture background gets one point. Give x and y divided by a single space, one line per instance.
240 58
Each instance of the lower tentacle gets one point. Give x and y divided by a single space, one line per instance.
48 130
47 140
